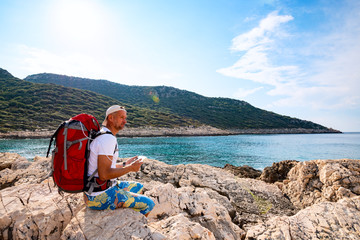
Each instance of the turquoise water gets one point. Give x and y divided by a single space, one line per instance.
257 151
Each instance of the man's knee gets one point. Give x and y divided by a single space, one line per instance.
151 204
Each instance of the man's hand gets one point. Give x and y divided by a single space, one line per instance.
134 163
131 160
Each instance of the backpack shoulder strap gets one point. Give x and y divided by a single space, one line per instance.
99 133
91 180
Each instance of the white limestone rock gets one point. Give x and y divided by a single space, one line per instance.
322 180
325 220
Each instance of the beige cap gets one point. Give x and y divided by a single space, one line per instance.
111 110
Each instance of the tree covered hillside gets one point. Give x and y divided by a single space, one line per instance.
223 113
32 106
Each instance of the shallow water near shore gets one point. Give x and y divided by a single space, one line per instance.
258 151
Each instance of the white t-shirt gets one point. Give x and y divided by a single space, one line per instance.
105 144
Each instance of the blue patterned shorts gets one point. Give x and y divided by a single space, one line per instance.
123 195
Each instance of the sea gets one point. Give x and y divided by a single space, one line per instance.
257 151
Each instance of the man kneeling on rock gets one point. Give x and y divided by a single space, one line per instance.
103 157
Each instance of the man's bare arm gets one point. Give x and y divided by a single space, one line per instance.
106 172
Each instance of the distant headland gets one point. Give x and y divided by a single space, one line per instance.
43 101
181 131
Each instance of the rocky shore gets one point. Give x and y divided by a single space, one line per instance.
318 199
181 131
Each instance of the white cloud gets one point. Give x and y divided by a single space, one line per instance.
242 93
333 78
35 60
260 35
255 64
330 78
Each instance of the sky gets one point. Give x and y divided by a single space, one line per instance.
298 58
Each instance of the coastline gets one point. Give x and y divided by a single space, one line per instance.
172 132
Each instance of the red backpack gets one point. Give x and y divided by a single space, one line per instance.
71 152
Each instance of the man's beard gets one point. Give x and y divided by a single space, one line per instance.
120 127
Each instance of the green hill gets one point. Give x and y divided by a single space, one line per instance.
222 113
32 106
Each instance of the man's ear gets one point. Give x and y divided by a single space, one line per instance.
110 118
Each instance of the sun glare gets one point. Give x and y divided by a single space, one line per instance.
79 21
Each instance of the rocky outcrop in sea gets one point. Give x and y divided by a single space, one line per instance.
318 199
